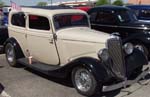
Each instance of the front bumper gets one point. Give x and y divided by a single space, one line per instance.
126 83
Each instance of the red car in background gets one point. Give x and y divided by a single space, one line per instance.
1 13
84 8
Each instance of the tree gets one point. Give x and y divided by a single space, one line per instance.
118 3
42 4
102 2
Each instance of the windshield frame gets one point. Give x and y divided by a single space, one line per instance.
53 19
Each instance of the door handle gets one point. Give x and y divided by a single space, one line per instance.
25 35
51 40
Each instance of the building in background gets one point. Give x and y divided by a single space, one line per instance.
145 2
76 3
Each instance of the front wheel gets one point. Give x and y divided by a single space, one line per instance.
84 81
10 54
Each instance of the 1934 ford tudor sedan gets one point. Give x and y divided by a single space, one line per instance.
60 43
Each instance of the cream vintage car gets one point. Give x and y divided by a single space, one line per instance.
59 42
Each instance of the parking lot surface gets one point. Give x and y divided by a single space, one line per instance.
24 82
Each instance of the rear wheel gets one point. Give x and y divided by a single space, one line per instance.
10 54
84 81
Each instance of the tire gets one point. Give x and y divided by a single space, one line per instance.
84 81
10 55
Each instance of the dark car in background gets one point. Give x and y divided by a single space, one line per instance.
123 21
142 12
3 36
3 26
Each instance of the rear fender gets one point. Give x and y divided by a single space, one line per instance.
16 45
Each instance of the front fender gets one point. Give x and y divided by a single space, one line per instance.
93 65
140 37
96 67
135 60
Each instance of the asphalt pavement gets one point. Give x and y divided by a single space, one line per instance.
25 82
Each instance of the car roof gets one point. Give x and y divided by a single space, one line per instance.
139 6
50 7
48 11
111 7
108 8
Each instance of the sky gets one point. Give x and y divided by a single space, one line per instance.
33 2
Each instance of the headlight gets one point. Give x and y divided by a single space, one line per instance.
128 48
103 54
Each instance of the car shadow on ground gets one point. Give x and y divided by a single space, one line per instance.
62 81
1 88
1 66
67 82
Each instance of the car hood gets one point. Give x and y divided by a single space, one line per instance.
83 34
138 24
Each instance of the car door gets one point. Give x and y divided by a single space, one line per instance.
17 29
41 44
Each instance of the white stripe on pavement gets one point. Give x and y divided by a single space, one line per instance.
4 94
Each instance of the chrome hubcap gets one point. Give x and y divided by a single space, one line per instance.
10 54
83 80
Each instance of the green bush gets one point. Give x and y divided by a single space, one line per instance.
102 2
118 3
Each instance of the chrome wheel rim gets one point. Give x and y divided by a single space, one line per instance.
83 80
10 54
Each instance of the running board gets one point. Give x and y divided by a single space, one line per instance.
44 68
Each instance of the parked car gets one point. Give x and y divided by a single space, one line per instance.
142 12
84 8
3 34
52 42
124 22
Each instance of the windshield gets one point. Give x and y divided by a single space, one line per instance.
70 20
126 16
145 14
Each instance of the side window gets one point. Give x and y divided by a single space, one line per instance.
18 19
93 17
38 22
106 18
99 17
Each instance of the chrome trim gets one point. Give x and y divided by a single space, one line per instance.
83 80
141 28
116 54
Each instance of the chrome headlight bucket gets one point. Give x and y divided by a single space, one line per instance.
128 48
103 54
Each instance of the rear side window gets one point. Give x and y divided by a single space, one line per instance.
18 19
93 17
38 22
105 18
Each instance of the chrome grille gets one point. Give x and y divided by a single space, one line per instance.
116 54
